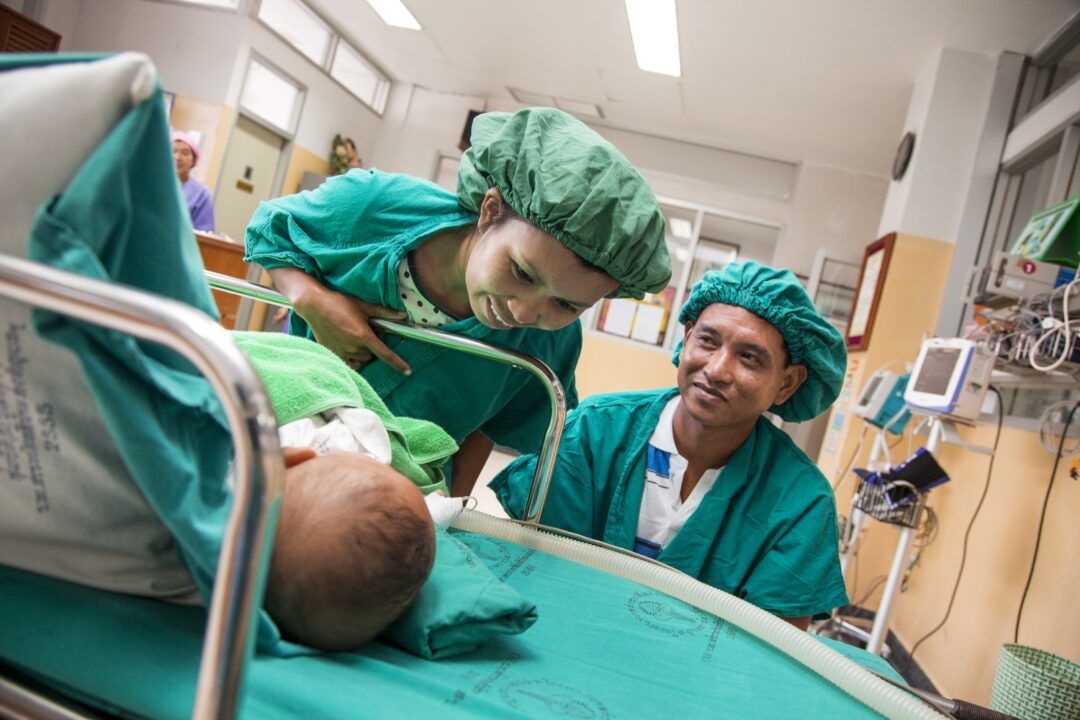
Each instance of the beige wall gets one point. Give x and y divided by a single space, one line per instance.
300 161
609 365
961 658
907 310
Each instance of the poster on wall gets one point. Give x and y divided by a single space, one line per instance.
841 408
868 292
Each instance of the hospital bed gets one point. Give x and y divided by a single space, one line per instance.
618 635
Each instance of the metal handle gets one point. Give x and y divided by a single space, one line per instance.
259 470
545 463
959 709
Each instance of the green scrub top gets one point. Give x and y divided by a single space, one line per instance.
351 234
766 531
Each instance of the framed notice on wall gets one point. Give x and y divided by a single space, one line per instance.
875 265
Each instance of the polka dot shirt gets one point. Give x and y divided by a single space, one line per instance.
420 310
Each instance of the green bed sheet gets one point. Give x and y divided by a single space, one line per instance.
603 647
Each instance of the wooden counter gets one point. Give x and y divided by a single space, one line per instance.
224 256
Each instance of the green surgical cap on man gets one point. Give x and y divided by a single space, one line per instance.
777 297
574 185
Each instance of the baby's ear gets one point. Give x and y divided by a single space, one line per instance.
296 455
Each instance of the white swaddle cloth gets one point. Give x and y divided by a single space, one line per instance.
444 510
359 430
341 429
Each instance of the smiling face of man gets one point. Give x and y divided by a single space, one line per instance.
733 367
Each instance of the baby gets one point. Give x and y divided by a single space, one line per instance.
354 543
354 539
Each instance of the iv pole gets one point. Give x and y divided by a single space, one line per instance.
879 461
941 429
900 558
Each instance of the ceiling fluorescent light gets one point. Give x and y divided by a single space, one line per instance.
681 228
655 31
394 12
577 107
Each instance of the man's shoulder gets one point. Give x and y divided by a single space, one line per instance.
627 401
786 460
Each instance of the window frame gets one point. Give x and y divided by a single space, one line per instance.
673 331
331 35
294 121
377 104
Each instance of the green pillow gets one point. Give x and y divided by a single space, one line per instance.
460 607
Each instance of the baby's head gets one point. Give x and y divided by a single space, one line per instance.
354 543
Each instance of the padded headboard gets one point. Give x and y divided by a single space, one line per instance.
52 118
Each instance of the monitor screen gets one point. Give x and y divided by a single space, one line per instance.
937 368
868 391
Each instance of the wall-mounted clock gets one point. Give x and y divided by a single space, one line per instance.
903 155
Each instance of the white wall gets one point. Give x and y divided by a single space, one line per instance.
947 113
202 53
835 209
193 48
832 207
739 172
420 125
61 16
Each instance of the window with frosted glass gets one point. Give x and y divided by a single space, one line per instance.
359 77
227 4
270 96
299 26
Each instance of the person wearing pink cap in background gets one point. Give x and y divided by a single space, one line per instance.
196 195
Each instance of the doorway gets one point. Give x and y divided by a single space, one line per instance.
248 173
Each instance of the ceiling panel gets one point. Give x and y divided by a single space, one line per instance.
826 81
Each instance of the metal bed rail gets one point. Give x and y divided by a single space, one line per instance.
259 470
545 463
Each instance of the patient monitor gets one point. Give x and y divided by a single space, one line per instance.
951 377
881 402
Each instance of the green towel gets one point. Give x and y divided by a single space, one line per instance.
303 378
460 607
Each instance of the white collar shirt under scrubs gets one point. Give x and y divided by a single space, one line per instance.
663 512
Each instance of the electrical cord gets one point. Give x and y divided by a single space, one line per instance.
1055 328
928 531
1042 520
851 461
874 585
967 533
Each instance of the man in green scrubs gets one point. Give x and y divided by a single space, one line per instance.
695 476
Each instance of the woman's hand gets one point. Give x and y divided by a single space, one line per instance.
338 321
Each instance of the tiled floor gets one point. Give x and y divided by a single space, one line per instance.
485 499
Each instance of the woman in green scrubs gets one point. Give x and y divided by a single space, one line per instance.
548 219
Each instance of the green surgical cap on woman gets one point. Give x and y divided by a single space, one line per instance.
574 185
777 297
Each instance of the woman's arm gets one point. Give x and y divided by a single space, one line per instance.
338 321
469 460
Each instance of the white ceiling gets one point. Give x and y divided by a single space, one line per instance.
826 81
